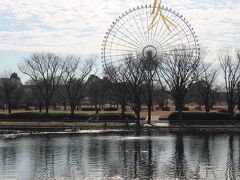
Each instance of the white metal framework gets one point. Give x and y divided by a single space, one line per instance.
130 35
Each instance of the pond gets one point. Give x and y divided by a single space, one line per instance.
120 155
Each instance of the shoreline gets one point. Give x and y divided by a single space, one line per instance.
74 126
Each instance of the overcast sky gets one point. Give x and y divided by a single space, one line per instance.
78 26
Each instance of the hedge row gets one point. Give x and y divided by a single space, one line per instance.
29 116
110 109
111 116
212 118
93 109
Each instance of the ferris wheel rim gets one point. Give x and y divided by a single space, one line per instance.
169 10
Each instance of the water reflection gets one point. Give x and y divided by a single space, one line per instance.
136 155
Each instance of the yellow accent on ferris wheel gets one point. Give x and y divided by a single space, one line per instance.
156 15
154 6
166 21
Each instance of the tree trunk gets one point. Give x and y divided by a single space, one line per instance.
96 108
231 111
179 107
47 108
40 107
65 106
149 105
138 118
9 109
72 110
123 109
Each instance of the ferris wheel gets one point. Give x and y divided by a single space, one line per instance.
133 34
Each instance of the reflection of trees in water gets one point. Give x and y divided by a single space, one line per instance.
205 160
205 156
143 162
8 156
238 155
140 155
43 154
180 162
230 169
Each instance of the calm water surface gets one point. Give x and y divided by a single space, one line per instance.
120 155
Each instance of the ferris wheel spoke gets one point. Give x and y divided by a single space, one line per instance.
135 32
160 37
163 28
147 24
117 61
129 43
143 27
167 37
139 29
123 50
153 36
170 38
171 42
118 55
149 16
132 41
131 34
123 45
182 25
171 48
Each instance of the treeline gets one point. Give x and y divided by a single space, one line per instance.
71 81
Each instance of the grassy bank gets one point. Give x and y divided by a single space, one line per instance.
65 117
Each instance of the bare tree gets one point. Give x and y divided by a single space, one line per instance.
129 77
150 67
205 86
179 69
119 88
11 89
94 91
161 96
35 95
76 72
133 73
45 70
231 72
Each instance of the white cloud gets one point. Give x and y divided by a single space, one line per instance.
78 26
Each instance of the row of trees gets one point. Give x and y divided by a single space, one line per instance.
179 71
133 82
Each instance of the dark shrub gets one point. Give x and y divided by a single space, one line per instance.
3 116
27 115
110 109
57 116
200 118
79 117
112 117
90 109
165 109
237 117
43 117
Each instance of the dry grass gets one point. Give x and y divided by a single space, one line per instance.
161 114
